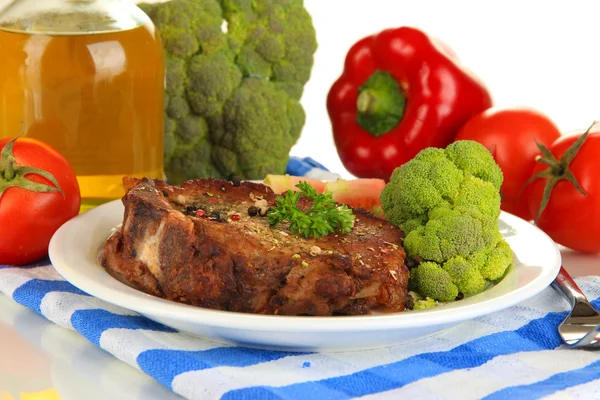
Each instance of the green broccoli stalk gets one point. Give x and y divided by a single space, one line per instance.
447 201
236 71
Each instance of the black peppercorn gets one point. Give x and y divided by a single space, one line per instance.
252 211
190 210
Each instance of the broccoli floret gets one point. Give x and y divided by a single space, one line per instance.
474 159
468 276
447 201
425 303
418 302
465 275
243 81
490 232
212 79
427 181
170 129
480 195
447 234
412 224
497 262
256 146
433 281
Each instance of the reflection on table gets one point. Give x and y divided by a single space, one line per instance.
43 361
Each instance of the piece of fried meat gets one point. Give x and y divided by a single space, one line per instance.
208 243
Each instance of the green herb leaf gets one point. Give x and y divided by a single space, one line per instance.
323 217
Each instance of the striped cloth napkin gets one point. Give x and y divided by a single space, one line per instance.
515 353
310 168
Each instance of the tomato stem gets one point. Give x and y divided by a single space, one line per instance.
558 170
8 170
7 161
13 174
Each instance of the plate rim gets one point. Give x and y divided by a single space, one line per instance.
152 306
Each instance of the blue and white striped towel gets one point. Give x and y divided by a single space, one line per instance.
310 168
515 353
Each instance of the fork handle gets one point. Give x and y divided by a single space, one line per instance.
568 287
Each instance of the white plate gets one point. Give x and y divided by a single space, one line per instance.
74 252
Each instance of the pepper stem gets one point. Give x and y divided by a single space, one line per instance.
380 104
365 102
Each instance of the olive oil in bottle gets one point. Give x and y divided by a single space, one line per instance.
86 77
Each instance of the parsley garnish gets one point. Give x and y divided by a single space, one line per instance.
323 217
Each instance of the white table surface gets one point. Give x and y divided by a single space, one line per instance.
42 361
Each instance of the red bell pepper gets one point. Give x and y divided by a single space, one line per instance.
401 91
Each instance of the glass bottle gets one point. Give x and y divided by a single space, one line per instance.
86 77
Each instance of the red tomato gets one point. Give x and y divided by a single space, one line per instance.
510 133
570 218
28 219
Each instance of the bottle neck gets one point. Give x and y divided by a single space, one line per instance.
71 16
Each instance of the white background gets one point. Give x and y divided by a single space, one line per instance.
544 54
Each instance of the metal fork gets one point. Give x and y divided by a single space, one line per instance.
581 328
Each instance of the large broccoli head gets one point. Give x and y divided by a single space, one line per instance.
448 201
236 70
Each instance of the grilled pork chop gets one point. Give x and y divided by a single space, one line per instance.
208 243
